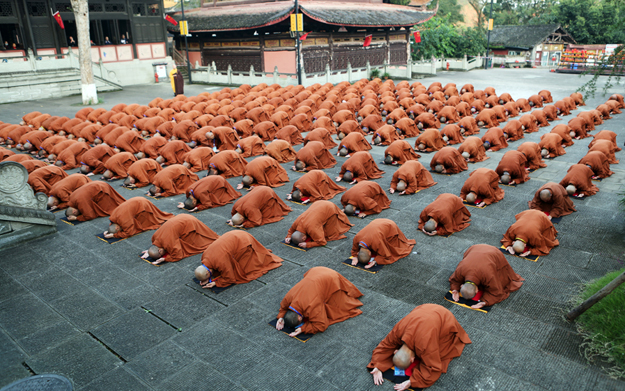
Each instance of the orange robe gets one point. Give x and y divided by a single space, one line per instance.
350 126
514 162
174 152
237 258
291 134
153 146
372 123
198 158
317 185
64 188
598 162
484 182
488 269
212 191
469 124
475 148
95 199
401 152
260 206
362 166
130 141
32 165
560 204
225 138
96 157
143 171
322 135
449 213
5 153
452 131
552 142
354 142
281 151
488 117
450 159
183 236
42 179
72 156
427 120
580 176
137 215
174 179
244 127
385 240
228 163
367 197
266 171
251 146
563 131
605 135
432 140
387 134
607 148
433 334
531 150
415 175
323 221
323 297
315 156
119 164
580 127
407 127
514 130
496 139
534 229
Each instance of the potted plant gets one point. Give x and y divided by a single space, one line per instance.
375 73
386 76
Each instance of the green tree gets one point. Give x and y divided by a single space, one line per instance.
592 21
400 2
448 7
440 38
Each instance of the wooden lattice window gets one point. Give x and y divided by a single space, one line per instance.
6 8
37 9
115 7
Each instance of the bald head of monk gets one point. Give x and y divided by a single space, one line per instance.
247 181
139 155
518 246
443 120
505 178
364 255
209 135
116 150
145 133
421 147
471 198
401 186
486 144
343 151
190 203
59 163
187 164
114 228
237 219
52 202
300 165
468 290
377 139
348 176
129 181
420 126
466 155
403 357
156 252
545 195
84 169
341 135
202 273
350 209
296 196
154 190
212 171
292 319
544 152
108 174
238 150
480 123
445 138
298 237
439 168
19 147
388 159
97 141
192 144
160 160
61 133
430 225
570 189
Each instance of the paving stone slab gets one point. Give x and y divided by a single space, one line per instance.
22 262
348 370
94 360
156 365
48 337
12 372
52 283
243 316
538 308
141 331
119 379
10 352
135 297
263 377
565 344
199 376
10 287
24 315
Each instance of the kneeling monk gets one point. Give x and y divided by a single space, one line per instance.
410 178
380 242
92 200
425 340
323 221
209 192
365 198
446 215
484 275
531 234
235 258
482 188
63 189
315 185
553 200
448 161
322 298
179 237
264 171
259 207
359 167
134 216
578 181
172 180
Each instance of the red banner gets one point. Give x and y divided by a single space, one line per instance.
303 37
417 36
171 20
57 16
367 40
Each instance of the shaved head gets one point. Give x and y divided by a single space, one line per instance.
160 160
52 201
439 168
350 210
298 237
247 180
377 140
300 165
471 198
486 144
71 212
202 273
571 189
291 319
443 119
572 134
28 146
341 136
139 155
505 178
209 135
238 219
364 256
466 155
58 163
518 246
430 225
403 357
238 150
107 174
468 291
96 141
544 152
114 228
348 176
155 252
85 169
154 190
296 196
421 146
192 144
190 203
343 151
187 164
388 159
401 186
545 195
212 171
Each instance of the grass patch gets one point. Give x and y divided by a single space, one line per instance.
603 325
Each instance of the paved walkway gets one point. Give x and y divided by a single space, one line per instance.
73 305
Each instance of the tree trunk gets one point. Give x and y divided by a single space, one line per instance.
81 13
603 292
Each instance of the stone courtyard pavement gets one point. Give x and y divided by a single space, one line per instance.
73 305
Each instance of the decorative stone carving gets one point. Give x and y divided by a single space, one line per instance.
14 188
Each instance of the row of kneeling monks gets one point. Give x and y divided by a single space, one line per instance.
324 297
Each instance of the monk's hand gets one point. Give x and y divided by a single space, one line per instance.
402 386
287 240
71 218
481 204
280 324
229 222
305 202
207 285
362 215
478 305
180 205
353 182
144 254
354 261
510 250
549 217
377 376
391 190
239 186
159 261
53 208
371 264
512 182
297 332
90 174
288 197
455 295
302 245
293 168
108 235
525 254
338 178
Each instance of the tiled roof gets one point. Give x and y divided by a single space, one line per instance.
364 14
521 36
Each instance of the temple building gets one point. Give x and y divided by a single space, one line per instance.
244 33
